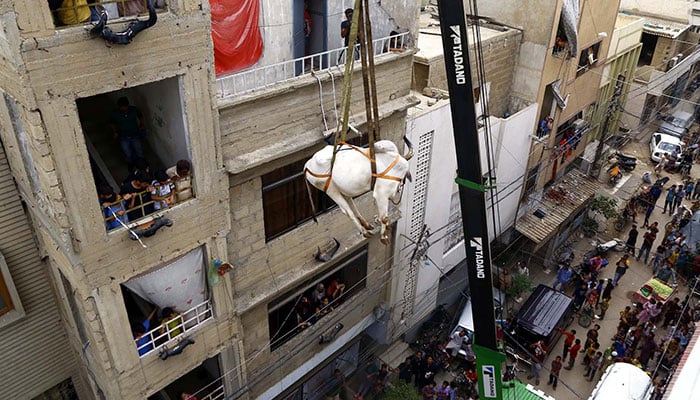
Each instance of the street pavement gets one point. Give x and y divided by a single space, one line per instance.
572 384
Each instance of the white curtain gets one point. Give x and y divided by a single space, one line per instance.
179 285
569 18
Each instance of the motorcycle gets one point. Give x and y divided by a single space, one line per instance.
626 162
601 249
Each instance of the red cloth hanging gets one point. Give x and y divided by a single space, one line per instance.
235 30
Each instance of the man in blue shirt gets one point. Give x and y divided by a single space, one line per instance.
139 330
563 277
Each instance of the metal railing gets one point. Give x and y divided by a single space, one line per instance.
174 327
218 394
146 208
265 76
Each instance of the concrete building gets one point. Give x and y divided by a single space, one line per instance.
669 59
559 67
615 85
243 208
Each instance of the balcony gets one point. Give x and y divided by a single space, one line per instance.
166 334
269 75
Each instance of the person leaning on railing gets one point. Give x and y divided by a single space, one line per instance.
181 175
112 207
171 323
70 12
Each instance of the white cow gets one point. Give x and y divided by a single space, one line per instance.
352 176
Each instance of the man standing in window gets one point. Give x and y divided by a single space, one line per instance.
128 128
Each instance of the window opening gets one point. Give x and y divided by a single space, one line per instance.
318 296
168 302
204 380
138 149
569 136
62 391
9 299
587 59
285 200
77 12
531 180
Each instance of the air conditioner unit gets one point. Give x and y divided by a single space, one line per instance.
591 59
579 124
672 63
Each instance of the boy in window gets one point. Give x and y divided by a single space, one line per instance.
112 207
162 194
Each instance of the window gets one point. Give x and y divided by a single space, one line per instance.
10 306
137 144
75 12
531 180
177 291
588 59
285 200
309 302
63 391
561 41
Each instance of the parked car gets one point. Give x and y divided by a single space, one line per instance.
539 318
677 124
623 380
662 143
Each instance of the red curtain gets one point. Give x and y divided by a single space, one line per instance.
236 33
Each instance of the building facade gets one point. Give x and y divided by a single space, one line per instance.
242 208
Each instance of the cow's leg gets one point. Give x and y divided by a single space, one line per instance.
359 216
348 210
382 200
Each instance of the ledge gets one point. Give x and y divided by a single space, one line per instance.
295 143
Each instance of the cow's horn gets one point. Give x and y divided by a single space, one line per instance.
408 155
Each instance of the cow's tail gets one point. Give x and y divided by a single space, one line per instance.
408 155
311 201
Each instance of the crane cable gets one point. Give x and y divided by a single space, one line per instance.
360 31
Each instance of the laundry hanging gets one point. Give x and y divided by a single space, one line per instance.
235 30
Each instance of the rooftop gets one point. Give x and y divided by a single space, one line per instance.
673 10
430 40
665 28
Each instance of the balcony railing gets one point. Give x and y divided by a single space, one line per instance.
175 327
262 77
182 190
218 394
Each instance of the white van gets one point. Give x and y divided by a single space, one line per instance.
623 381
466 319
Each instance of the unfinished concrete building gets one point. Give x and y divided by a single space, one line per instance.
235 252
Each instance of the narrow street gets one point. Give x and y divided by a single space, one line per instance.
573 385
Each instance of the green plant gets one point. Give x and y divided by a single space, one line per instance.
519 285
604 205
590 224
401 391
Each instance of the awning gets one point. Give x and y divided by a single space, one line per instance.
560 201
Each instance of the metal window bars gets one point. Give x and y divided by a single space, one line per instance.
175 327
217 394
265 76
183 192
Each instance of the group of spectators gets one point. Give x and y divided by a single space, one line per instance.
171 325
72 12
318 302
143 191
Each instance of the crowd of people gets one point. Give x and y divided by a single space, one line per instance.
144 191
170 325
318 302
